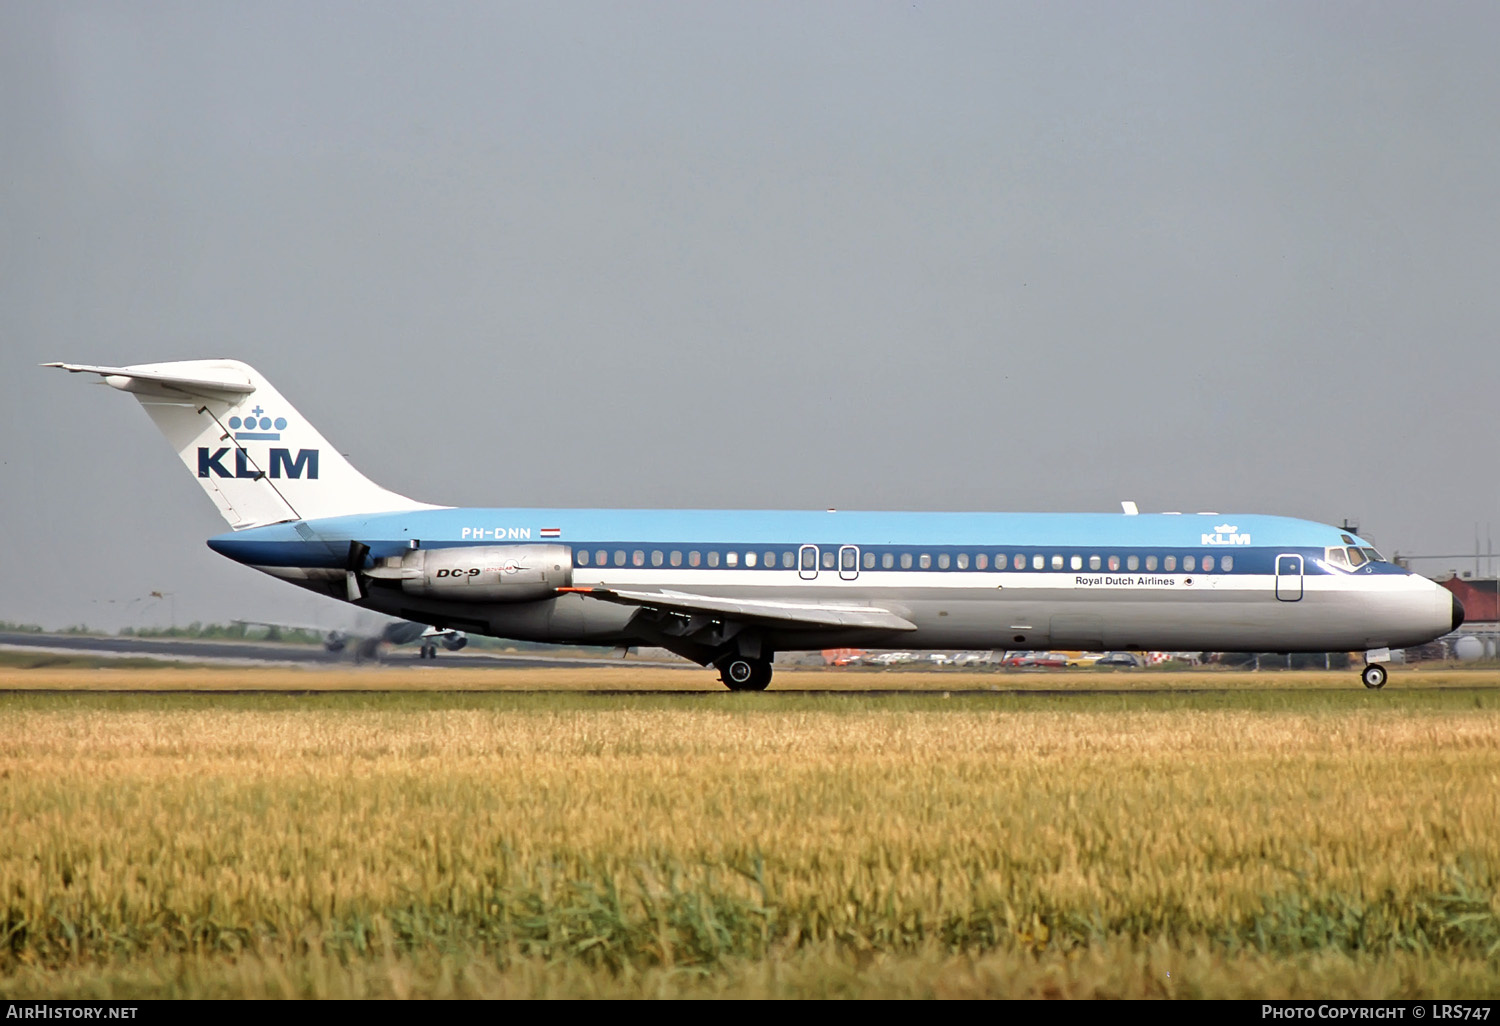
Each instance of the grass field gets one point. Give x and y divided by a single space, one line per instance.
1261 838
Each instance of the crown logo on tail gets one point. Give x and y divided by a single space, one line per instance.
257 427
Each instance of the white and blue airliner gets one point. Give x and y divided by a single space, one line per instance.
729 589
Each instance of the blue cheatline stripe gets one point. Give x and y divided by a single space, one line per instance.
1018 559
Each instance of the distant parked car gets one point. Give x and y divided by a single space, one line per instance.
1118 659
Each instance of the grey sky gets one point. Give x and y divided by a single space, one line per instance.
916 256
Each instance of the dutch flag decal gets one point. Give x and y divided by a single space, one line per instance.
552 532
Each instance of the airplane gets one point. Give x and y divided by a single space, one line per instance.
397 632
729 589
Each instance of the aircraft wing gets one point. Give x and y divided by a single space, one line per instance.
803 614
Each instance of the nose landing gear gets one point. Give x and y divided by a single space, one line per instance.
1373 676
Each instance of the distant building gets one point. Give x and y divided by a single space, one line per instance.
1480 597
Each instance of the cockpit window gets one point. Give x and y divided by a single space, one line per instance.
1356 557
1375 557
1347 540
1337 558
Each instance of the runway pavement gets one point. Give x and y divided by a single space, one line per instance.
255 652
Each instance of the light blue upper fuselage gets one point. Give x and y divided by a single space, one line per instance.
324 542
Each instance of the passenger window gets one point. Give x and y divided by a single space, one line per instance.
619 557
1226 564
656 557
1208 564
1188 562
943 560
713 558
827 559
694 558
601 558
770 561
1132 562
583 557
1000 561
809 558
732 559
1038 562
887 560
981 562
1356 557
1169 563
963 560
638 557
906 560
869 560
1076 562
1114 562
846 558
675 558
1056 562
924 561
1150 562
1094 563
788 560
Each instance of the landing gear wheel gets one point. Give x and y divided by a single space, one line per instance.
428 652
742 674
1373 676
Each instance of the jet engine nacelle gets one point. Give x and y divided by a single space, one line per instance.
454 642
491 573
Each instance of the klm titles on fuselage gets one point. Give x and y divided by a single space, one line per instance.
1134 581
1225 534
282 463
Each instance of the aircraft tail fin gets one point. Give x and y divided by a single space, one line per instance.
258 459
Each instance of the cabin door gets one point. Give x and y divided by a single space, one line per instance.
807 563
1289 577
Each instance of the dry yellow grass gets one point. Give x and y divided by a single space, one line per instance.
1121 971
631 835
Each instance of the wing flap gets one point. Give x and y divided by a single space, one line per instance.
806 614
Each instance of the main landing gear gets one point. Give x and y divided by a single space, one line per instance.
740 673
1373 676
429 651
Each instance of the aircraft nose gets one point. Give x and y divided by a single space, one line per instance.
1458 613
